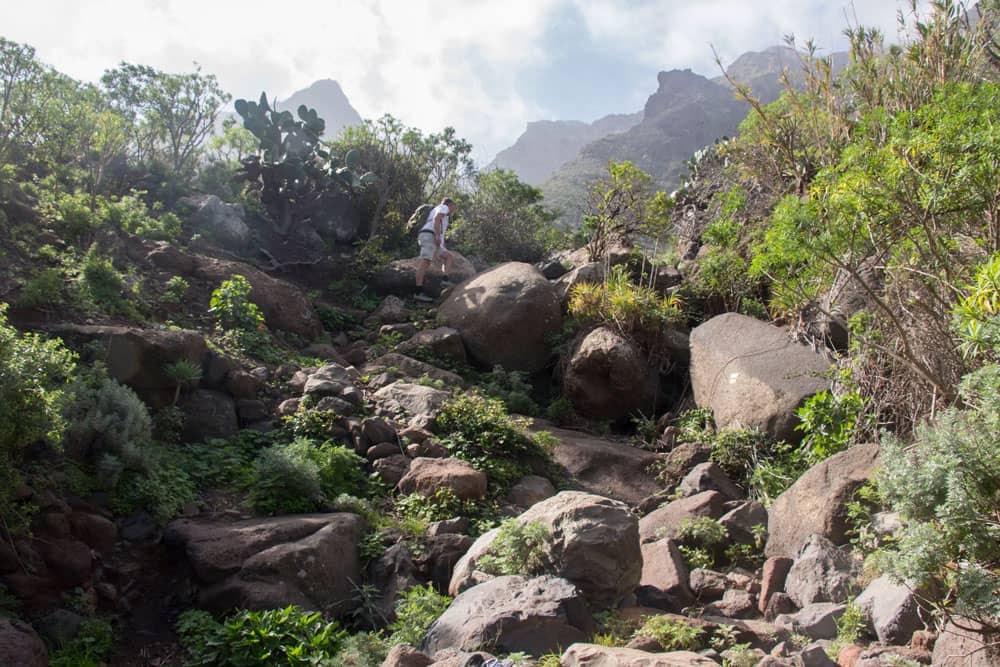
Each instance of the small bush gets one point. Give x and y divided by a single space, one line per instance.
174 290
101 283
232 307
416 609
672 635
365 649
89 648
162 491
829 423
288 637
701 540
517 549
45 288
298 476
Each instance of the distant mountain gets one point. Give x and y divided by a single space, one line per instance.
329 101
686 113
546 144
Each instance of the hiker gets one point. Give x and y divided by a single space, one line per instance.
431 240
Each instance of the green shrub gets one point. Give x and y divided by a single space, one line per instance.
739 451
183 373
701 540
45 288
631 310
512 388
174 290
232 307
945 486
163 490
288 637
417 608
312 423
101 283
111 424
365 649
829 423
223 462
517 549
89 648
479 430
33 376
672 635
298 476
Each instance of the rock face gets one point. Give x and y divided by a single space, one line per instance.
665 521
285 306
426 476
399 277
308 560
821 573
607 377
401 398
138 357
595 545
604 467
594 655
958 647
816 502
504 316
752 375
208 414
513 613
224 223
19 645
891 609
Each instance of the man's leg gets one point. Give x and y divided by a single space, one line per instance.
422 271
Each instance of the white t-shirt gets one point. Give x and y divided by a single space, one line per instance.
429 225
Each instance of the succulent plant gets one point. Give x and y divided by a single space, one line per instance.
291 171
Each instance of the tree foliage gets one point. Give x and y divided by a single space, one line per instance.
623 206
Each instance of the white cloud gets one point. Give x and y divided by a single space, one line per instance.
431 63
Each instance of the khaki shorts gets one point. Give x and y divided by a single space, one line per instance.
428 249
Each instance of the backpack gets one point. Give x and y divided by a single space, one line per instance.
417 220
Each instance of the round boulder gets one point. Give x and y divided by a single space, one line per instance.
505 315
595 545
608 377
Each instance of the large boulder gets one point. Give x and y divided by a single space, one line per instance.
138 357
285 306
426 476
443 342
224 223
307 560
892 610
608 377
513 613
752 375
19 645
505 316
817 501
663 568
604 467
821 572
409 400
400 276
595 545
208 414
591 272
595 655
964 643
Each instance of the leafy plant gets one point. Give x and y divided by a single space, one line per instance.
829 423
417 608
89 648
288 637
851 627
672 635
174 290
45 288
518 548
183 372
296 477
232 307
700 540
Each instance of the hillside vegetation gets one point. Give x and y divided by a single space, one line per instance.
750 422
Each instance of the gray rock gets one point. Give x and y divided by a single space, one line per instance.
665 522
965 646
891 609
594 655
20 646
505 316
208 414
401 398
817 501
426 476
223 223
663 568
530 490
815 655
709 477
821 573
444 342
707 584
59 626
392 469
595 545
752 375
818 621
514 613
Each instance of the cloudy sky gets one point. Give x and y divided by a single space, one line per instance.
486 67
